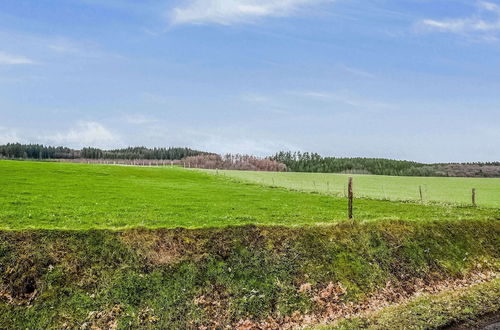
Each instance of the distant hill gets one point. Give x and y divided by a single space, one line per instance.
313 162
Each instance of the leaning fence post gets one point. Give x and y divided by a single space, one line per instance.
350 197
474 197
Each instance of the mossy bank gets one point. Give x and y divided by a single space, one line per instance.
266 276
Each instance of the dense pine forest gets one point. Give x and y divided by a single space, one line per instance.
38 151
313 162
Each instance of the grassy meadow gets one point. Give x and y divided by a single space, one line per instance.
81 196
71 255
399 188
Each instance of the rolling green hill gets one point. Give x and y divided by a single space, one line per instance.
99 246
81 196
435 189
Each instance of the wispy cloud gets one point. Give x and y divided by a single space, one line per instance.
232 141
8 59
346 97
227 12
49 49
8 135
255 98
356 71
139 119
265 102
482 25
231 144
84 49
155 98
85 133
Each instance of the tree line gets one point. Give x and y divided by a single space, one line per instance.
234 162
313 162
38 151
281 161
140 153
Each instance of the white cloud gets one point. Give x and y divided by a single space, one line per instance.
255 98
231 141
269 104
463 25
49 49
85 133
222 139
357 72
155 98
8 59
227 12
347 98
69 47
8 135
139 119
259 147
490 6
483 25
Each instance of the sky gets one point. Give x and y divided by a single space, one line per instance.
413 79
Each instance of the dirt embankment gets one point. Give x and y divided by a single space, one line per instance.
248 277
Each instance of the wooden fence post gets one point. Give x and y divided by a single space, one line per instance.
474 197
350 197
420 191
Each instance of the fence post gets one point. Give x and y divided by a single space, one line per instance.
350 197
474 197
420 191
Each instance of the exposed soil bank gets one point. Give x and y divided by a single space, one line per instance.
490 321
236 276
465 305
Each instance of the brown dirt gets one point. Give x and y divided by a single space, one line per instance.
331 309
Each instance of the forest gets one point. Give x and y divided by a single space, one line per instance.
313 162
282 161
38 151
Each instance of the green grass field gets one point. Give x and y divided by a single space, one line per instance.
81 196
57 272
400 188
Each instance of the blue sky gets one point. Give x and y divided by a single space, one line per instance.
413 79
